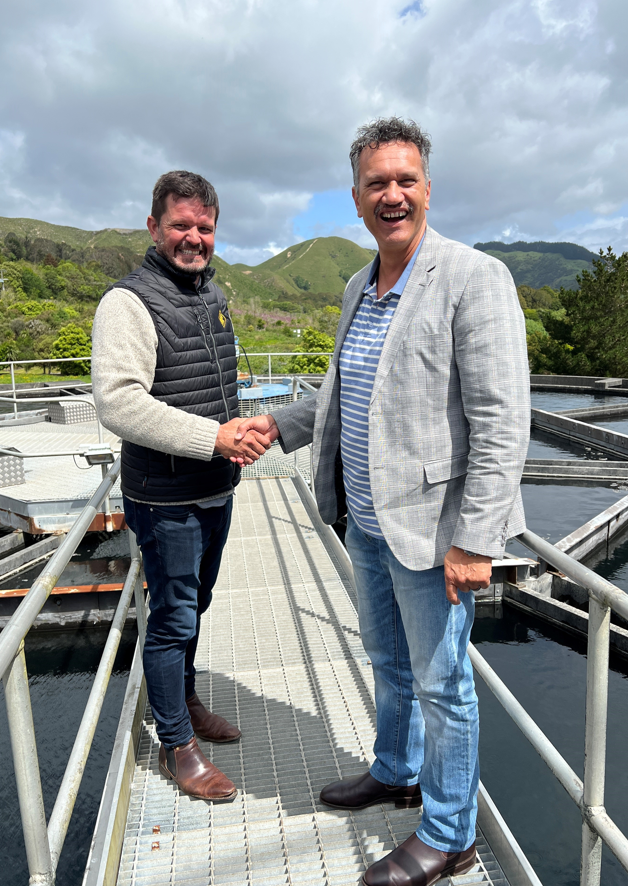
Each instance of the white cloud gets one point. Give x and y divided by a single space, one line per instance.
526 103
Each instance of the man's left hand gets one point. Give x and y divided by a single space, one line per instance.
465 573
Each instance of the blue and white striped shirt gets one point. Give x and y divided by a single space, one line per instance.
359 359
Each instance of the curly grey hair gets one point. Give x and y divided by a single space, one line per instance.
385 130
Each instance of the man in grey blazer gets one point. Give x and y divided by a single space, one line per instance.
420 432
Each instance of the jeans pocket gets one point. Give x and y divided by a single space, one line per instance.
180 513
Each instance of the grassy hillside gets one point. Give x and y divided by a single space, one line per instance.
541 264
567 250
323 265
537 269
117 238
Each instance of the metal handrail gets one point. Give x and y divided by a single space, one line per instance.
588 793
44 842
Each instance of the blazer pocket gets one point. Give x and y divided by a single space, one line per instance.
446 468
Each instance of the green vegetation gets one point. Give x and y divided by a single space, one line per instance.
312 341
541 264
72 341
326 264
589 334
54 277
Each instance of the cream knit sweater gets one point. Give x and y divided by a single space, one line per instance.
124 356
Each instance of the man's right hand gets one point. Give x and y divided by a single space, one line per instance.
242 448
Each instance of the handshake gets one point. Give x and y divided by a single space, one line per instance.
242 441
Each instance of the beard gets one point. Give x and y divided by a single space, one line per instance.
180 267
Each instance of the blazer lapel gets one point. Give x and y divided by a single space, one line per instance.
352 299
409 303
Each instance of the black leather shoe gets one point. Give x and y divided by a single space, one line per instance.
416 864
364 790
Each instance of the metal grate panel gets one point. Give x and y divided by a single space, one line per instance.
275 657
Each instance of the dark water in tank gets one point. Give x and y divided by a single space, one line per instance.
559 402
545 668
61 669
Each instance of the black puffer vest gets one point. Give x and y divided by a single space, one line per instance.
195 371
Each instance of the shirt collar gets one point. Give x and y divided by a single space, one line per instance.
400 285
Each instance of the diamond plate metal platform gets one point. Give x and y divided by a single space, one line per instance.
280 656
55 489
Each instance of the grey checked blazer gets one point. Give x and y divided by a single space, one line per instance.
449 418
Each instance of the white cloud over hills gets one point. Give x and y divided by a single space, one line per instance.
526 102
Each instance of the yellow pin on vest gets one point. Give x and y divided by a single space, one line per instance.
222 318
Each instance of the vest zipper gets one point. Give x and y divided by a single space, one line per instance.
211 332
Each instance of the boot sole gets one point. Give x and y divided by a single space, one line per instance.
400 803
167 774
457 871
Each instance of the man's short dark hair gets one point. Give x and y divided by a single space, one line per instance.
180 183
385 130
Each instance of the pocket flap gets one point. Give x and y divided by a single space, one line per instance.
446 468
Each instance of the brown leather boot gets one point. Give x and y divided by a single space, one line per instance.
208 726
364 790
414 863
194 774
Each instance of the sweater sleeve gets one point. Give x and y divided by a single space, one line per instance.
124 357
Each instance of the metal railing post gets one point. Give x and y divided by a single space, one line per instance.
13 391
24 747
106 507
66 798
595 738
295 396
270 376
140 602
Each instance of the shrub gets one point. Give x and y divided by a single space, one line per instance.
72 341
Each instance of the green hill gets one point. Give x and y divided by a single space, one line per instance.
323 265
541 264
567 250
109 238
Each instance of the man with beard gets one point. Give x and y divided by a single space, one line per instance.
164 380
420 431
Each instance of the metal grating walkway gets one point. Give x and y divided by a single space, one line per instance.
280 656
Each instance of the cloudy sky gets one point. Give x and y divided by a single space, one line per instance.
526 102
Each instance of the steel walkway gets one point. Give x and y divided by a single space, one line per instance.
280 655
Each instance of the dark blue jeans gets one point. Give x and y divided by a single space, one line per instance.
181 547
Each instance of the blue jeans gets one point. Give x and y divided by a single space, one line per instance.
181 549
427 709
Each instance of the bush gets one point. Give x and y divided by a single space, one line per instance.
302 283
312 340
72 341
